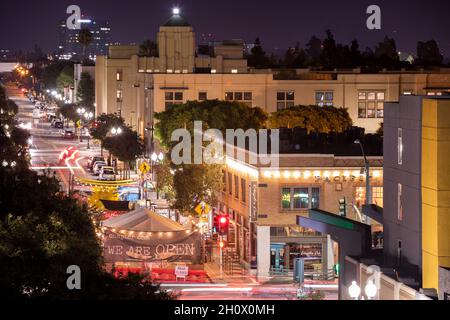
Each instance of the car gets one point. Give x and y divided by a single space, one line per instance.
54 120
67 134
97 166
58 125
107 173
94 159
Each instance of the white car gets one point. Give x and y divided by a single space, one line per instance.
107 173
97 166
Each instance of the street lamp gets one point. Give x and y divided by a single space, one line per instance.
370 290
80 112
367 170
354 291
88 116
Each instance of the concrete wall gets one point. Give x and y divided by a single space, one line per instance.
406 115
388 288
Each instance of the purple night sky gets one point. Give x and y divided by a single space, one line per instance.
279 24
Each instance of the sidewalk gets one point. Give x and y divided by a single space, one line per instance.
213 271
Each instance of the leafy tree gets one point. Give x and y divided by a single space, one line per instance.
165 175
258 58
42 236
86 91
85 39
216 114
51 73
355 54
126 146
313 118
428 53
103 125
313 51
194 183
329 52
148 48
386 53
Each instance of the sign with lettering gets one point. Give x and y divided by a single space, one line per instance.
181 271
177 246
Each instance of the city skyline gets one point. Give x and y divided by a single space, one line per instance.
275 36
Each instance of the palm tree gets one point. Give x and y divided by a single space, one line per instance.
85 39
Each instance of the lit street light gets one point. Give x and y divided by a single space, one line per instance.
80 112
88 116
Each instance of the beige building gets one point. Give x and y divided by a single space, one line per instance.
138 86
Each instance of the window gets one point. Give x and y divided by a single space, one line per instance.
324 98
245 97
371 104
119 95
119 75
377 196
315 198
172 98
285 99
299 198
224 181
399 202
243 190
400 146
202 96
230 183
236 187
286 198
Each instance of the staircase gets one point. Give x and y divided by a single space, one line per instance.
232 263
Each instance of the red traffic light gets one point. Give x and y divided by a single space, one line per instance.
221 244
223 220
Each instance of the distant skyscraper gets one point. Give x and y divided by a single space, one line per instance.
70 49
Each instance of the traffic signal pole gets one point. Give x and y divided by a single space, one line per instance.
221 256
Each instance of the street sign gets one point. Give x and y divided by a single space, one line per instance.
79 123
181 271
202 208
144 167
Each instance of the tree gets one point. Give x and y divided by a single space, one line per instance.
50 231
86 91
428 53
386 53
329 52
313 51
257 58
85 39
103 125
194 183
126 146
148 48
51 73
313 118
355 54
65 78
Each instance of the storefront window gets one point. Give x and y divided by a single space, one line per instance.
301 198
286 198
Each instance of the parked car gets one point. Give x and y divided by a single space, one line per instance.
59 125
107 173
94 159
67 134
97 166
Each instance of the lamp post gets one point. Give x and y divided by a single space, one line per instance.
88 116
80 112
367 170
370 290
156 158
115 131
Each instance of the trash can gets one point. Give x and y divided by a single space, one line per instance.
299 270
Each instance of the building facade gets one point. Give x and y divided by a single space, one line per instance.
138 86
263 205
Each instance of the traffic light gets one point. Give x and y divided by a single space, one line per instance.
342 207
221 244
223 224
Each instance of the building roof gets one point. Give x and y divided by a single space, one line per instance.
176 21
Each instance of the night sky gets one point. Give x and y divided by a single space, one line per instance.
279 23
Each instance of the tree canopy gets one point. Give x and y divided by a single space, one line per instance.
86 91
317 119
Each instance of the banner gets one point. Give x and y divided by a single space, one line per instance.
177 246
